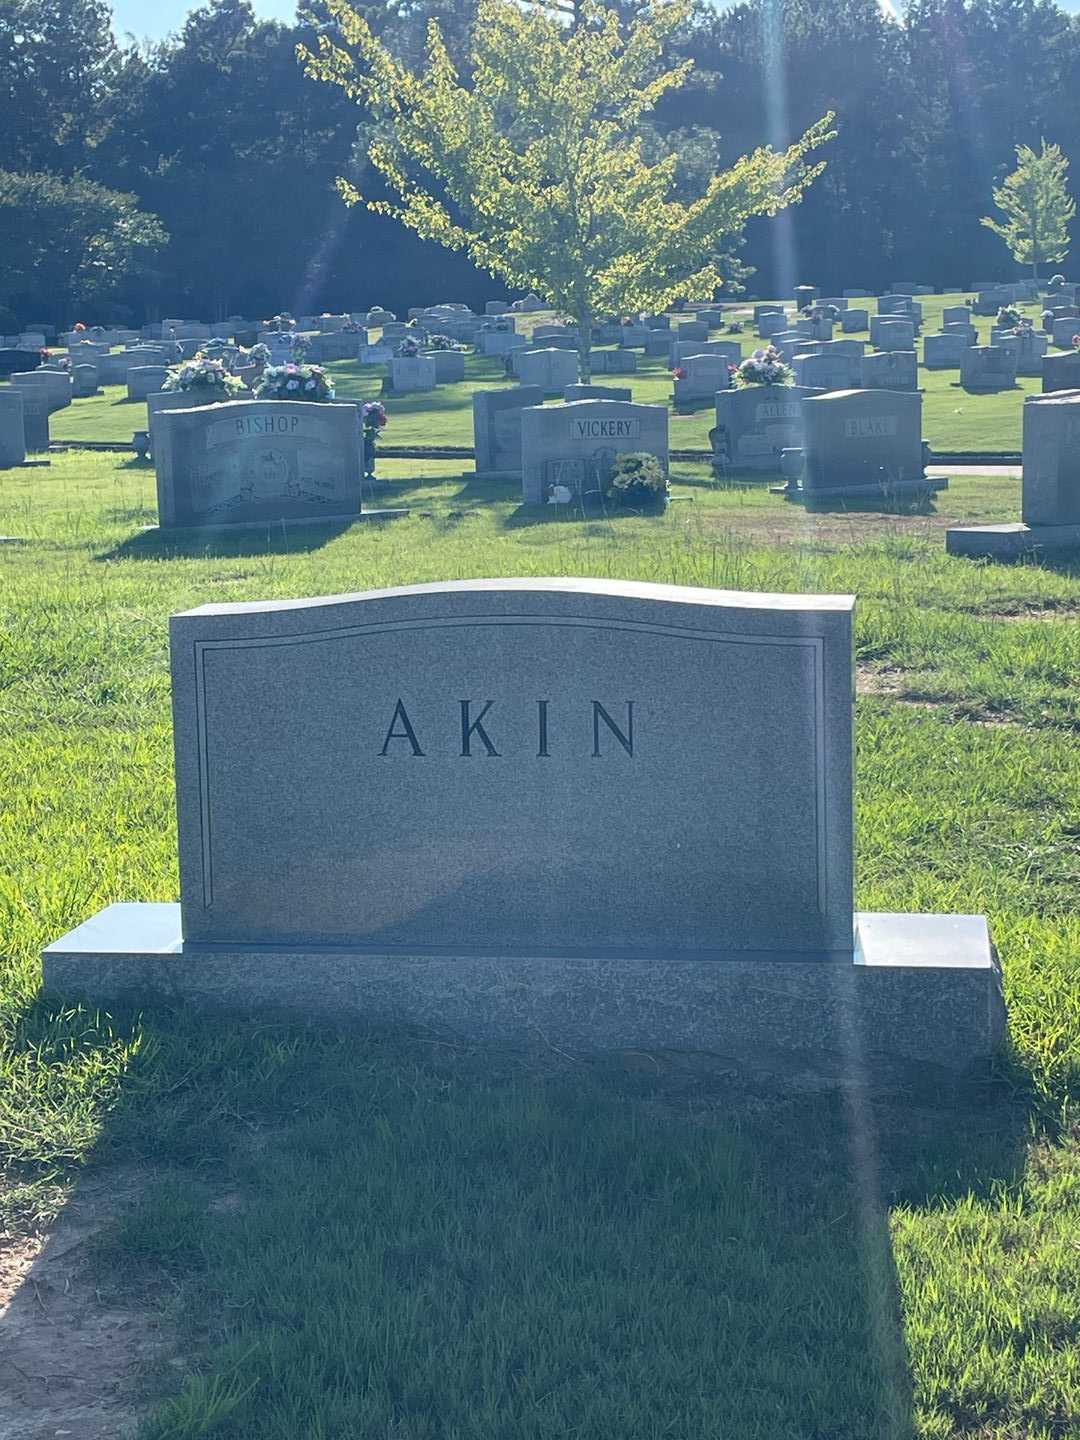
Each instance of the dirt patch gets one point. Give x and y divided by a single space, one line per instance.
890 683
1047 613
793 524
69 1361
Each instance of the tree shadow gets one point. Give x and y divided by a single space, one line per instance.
657 1224
264 539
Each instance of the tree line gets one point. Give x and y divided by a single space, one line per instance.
198 177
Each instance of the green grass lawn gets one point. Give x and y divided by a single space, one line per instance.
953 419
374 1234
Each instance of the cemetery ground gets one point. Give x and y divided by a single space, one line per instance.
259 1230
954 420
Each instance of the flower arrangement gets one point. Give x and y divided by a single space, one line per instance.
408 348
764 367
258 354
351 328
679 372
442 342
1076 342
735 328
372 420
637 479
294 381
79 327
1008 317
281 322
205 374
373 416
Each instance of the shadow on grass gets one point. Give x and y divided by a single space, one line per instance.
922 502
155 544
374 1231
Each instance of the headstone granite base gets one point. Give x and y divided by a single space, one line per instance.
1012 541
922 989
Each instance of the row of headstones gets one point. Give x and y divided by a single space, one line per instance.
851 441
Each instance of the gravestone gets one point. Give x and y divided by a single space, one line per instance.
770 324
1050 507
575 444
84 381
944 352
956 315
731 350
254 461
36 412
805 295
704 376
440 811
158 401
143 379
14 361
449 366
334 345
501 342
968 333
497 428
1061 372
497 307
898 305
754 424
551 369
890 370
690 330
613 362
12 428
1027 345
862 442
55 385
988 367
636 337
854 321
892 334
660 343
595 392
1063 330
828 372
376 354
410 374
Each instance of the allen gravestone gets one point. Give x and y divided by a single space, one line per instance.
608 814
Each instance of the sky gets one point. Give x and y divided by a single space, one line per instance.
153 19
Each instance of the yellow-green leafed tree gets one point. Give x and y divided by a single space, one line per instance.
1037 207
536 167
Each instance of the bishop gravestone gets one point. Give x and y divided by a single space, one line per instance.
606 814
251 461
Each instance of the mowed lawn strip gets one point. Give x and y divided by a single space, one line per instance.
358 1233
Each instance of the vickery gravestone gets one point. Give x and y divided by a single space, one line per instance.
605 814
575 444
250 461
